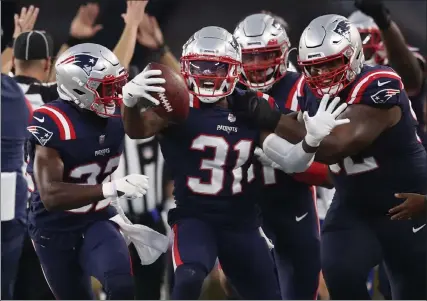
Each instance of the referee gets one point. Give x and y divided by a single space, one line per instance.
33 52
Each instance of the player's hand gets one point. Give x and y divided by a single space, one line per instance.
134 12
256 111
141 86
132 186
375 9
25 20
83 25
320 125
414 205
262 157
149 33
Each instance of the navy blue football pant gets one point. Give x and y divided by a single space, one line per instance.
295 235
352 245
69 259
244 256
12 241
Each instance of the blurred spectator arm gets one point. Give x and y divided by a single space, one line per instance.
150 36
82 27
23 22
134 15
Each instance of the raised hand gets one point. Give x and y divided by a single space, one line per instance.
83 25
149 33
135 12
25 20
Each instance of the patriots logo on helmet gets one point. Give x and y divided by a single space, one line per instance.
383 96
84 61
41 134
343 28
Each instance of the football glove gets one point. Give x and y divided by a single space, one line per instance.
140 87
132 186
320 125
256 111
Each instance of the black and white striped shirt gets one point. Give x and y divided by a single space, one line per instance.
36 92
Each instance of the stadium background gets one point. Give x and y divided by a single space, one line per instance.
179 19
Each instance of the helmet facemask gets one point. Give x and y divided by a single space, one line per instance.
262 67
373 47
329 75
108 94
210 78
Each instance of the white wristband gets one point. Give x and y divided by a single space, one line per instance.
109 190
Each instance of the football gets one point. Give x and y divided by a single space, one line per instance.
175 102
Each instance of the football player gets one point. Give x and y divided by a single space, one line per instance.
209 155
75 146
16 113
371 158
287 200
384 44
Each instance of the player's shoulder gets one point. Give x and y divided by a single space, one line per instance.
288 90
51 122
375 85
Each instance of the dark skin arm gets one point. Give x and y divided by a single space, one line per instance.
55 194
402 60
139 125
367 123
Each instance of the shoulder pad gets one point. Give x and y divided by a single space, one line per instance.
49 125
268 98
379 87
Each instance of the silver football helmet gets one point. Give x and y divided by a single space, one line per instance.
265 48
330 54
373 47
91 76
211 63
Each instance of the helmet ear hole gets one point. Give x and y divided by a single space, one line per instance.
78 91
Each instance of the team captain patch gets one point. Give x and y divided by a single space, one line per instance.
42 135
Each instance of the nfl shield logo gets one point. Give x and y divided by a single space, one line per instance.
101 139
231 118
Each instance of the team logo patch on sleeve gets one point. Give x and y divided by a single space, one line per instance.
383 96
41 134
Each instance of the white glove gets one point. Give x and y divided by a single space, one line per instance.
141 85
320 125
131 186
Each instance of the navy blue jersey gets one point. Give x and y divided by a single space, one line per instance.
396 161
209 155
274 188
15 116
90 148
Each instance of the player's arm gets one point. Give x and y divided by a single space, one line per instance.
278 146
317 174
400 57
55 194
367 123
138 122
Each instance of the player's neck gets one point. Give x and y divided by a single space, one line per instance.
37 74
222 103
